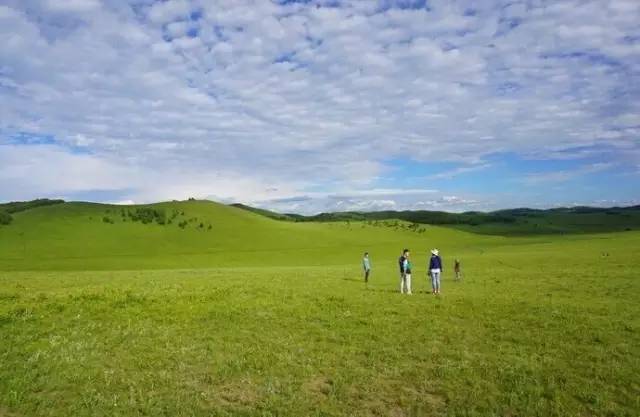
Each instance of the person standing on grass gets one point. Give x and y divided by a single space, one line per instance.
435 269
405 273
401 265
456 269
366 265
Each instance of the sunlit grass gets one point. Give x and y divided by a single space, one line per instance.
260 317
514 338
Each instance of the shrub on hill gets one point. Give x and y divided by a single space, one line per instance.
148 215
5 218
420 216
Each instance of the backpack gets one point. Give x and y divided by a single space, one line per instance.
408 269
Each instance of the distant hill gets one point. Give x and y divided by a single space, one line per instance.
266 213
509 222
54 235
7 209
518 221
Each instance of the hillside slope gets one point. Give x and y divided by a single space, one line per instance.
510 222
200 234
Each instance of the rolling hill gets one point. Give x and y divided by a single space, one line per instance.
57 235
513 222
198 234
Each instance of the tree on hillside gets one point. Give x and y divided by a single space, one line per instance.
5 218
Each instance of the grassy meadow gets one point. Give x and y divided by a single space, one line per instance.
255 316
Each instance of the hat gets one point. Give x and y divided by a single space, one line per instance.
435 252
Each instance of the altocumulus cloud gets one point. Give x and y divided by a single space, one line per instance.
313 105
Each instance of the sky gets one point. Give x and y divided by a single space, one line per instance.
322 105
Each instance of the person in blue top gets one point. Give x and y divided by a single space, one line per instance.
366 265
435 269
405 272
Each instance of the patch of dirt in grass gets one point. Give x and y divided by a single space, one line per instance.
375 408
237 393
404 401
436 401
320 386
397 412
381 408
6 413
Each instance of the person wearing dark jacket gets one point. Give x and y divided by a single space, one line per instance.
435 269
405 272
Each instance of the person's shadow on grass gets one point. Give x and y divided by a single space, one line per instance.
387 290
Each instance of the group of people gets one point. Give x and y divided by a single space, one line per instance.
404 262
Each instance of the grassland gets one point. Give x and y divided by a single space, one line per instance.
510 222
73 236
270 318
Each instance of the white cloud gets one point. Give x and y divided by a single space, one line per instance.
72 5
565 175
365 205
47 170
460 171
170 10
121 202
309 98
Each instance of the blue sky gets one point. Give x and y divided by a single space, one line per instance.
318 105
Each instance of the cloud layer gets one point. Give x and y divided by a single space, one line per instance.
264 101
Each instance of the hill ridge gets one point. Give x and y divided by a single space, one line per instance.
513 221
522 220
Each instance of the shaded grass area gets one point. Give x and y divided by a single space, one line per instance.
514 338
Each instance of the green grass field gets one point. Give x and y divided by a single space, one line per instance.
262 317
510 222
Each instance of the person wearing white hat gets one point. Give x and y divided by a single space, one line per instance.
435 269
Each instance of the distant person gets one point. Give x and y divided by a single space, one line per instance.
435 269
366 266
401 266
405 273
457 270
